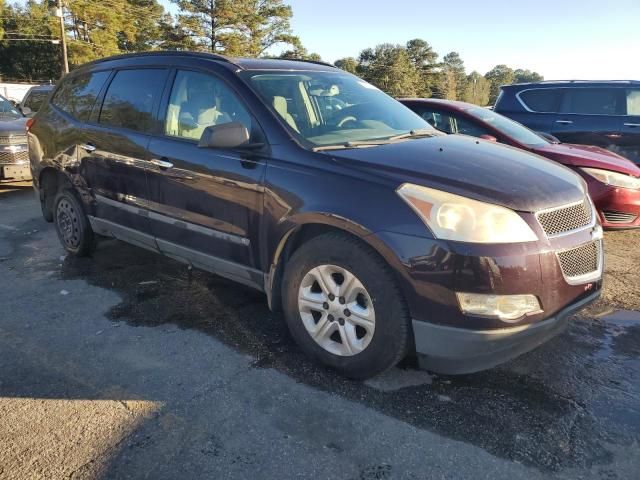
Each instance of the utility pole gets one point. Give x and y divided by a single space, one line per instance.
63 39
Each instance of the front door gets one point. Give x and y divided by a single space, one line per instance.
113 154
205 204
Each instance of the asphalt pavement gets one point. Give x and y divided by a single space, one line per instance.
130 365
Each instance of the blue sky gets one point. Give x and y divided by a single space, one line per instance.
561 39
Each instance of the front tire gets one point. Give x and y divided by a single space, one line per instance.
72 225
343 306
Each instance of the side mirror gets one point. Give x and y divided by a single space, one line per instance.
227 135
488 138
26 111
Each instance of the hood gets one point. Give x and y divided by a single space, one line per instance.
588 156
15 126
473 168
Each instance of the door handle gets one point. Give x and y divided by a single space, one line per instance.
632 124
564 122
87 147
162 164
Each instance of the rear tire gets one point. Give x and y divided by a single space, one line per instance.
72 225
343 306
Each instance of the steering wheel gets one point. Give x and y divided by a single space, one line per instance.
348 118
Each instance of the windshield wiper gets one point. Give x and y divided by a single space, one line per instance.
378 141
344 146
421 132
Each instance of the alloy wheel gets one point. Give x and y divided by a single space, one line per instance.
336 310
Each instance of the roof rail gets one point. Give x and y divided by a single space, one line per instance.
543 82
317 62
160 53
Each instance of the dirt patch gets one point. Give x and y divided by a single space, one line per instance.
622 270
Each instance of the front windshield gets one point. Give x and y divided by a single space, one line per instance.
7 110
518 132
330 108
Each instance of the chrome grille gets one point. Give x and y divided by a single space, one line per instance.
612 216
13 140
9 158
566 219
581 261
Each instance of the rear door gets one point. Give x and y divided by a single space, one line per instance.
630 141
590 116
113 154
206 203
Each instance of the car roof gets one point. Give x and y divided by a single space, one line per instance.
43 88
239 63
573 84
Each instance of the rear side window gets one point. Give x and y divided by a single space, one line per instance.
541 99
130 97
592 101
35 100
77 95
633 102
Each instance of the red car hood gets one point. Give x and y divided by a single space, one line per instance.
588 156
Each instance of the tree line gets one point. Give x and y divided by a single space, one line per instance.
415 70
30 50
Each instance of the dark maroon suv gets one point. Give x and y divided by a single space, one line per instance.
375 234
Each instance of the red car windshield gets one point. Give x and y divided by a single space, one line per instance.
508 127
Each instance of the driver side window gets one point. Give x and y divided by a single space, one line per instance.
199 100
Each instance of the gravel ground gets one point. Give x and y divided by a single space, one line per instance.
129 365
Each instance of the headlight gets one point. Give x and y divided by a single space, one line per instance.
614 178
452 217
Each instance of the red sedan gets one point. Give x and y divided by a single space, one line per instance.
614 181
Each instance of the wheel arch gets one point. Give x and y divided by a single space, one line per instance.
49 182
310 227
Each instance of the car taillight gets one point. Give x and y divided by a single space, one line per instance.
30 123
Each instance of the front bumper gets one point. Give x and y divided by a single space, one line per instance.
451 350
618 208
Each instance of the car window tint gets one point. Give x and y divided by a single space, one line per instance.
35 100
77 95
541 100
633 102
198 101
592 101
129 100
437 120
466 127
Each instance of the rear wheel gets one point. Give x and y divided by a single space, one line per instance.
72 225
343 306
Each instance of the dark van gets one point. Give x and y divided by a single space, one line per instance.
375 234
601 113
